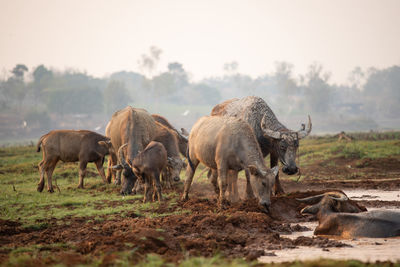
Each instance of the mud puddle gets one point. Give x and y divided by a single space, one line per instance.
363 249
370 194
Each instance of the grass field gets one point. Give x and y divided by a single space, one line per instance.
20 202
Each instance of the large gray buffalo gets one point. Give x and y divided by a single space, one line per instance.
273 137
339 216
227 144
71 146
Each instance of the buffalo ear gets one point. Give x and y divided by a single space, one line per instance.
253 169
136 171
275 170
184 132
311 209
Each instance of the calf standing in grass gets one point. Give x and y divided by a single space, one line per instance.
71 146
147 165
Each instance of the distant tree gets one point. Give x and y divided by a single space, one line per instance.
287 88
317 91
148 62
357 78
42 78
115 96
382 92
19 70
175 67
64 101
231 67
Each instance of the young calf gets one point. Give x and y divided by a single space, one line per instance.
147 165
71 146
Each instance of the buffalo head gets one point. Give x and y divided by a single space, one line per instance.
330 202
286 143
174 167
129 177
262 182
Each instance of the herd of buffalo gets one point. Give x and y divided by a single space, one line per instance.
145 149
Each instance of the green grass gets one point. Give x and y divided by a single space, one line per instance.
19 200
312 150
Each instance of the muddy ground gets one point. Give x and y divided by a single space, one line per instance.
196 227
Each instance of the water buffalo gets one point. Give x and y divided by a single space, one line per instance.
169 139
71 146
228 144
136 128
182 139
339 216
147 166
273 137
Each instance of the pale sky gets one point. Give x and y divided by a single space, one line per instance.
101 37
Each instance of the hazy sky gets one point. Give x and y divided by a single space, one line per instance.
101 37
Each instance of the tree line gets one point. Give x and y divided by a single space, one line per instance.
369 97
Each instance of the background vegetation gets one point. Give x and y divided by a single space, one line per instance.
35 101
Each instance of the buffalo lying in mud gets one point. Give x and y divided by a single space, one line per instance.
273 137
339 216
228 144
147 166
71 146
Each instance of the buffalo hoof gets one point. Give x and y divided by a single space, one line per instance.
40 187
125 193
223 204
185 198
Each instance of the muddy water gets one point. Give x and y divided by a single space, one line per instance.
363 249
373 195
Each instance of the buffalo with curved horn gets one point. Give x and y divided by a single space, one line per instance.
273 137
340 216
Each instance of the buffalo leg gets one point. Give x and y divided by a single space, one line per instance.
232 186
213 177
277 186
249 189
222 182
146 189
189 178
109 170
157 186
49 173
82 173
41 172
100 169
117 177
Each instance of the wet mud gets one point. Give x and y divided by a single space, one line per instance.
199 227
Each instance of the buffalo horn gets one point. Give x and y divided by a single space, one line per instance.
304 132
122 157
268 132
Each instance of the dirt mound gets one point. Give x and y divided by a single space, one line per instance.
197 227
